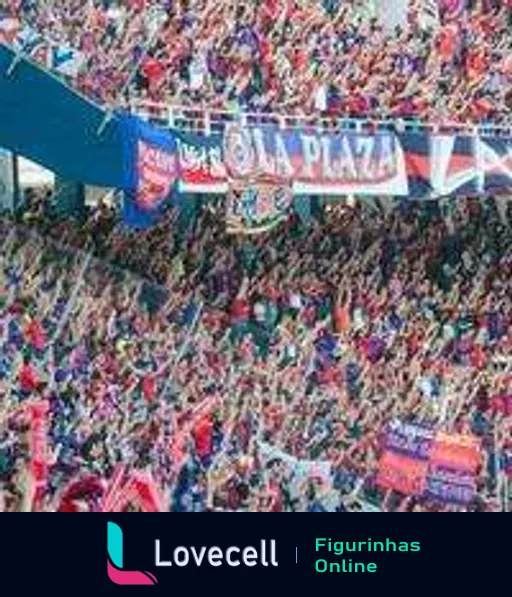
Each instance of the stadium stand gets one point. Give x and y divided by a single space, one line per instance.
302 344
262 373
289 57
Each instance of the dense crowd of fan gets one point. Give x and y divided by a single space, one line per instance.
296 347
258 373
298 57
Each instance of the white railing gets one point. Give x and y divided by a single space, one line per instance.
212 120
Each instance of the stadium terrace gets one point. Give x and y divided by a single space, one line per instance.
255 317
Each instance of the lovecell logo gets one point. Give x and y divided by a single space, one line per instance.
115 561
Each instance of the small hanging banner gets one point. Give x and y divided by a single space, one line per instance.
255 207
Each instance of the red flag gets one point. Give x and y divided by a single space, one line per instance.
37 417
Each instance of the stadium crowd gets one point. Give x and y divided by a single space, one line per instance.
255 373
258 373
298 57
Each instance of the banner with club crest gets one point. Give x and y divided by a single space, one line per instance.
150 172
416 165
253 207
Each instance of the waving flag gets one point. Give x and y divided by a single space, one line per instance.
26 40
392 14
66 60
429 14
37 413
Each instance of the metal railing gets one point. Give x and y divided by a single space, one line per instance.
209 121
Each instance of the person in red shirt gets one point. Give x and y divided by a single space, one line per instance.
27 377
203 437
35 334
477 62
447 41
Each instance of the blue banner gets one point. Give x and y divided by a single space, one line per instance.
150 171
449 486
